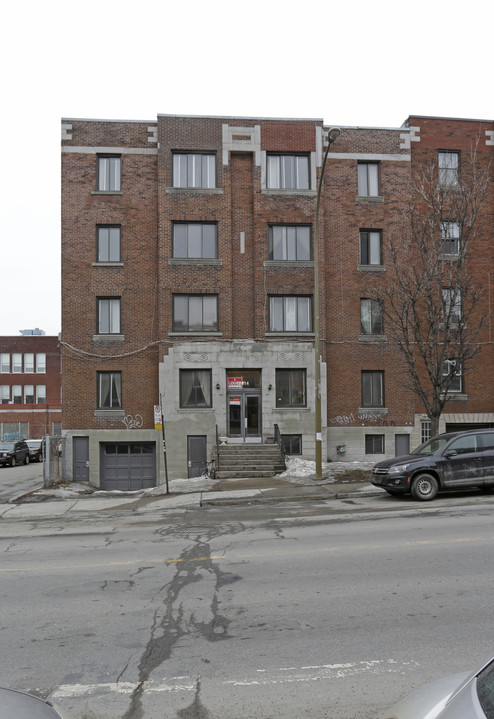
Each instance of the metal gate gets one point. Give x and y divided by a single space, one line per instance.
127 466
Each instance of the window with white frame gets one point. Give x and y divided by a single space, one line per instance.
5 362
289 242
41 362
195 313
452 306
450 238
16 394
194 170
290 314
28 362
40 394
368 179
4 394
291 388
452 376
372 388
108 242
195 240
28 394
195 388
370 247
109 171
425 430
108 315
109 390
448 166
371 317
288 172
16 362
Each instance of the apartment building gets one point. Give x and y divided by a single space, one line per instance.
30 386
188 283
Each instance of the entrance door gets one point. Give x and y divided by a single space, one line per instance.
197 458
80 447
244 419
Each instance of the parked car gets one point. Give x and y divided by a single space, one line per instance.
461 696
35 449
19 705
14 453
450 461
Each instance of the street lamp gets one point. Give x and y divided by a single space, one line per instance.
333 135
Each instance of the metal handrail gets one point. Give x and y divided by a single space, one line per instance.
277 439
217 449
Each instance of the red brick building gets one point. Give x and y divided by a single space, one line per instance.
30 387
188 281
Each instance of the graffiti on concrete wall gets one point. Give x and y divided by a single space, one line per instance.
133 421
350 419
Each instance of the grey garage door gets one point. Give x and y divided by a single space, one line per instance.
128 466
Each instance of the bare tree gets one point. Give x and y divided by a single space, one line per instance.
430 298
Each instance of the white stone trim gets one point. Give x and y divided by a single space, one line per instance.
408 137
232 143
66 131
489 134
153 133
369 157
89 150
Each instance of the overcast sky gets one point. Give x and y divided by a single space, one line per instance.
348 63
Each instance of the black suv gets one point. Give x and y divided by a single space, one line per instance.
455 460
14 453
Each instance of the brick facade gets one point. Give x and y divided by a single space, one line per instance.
30 393
150 351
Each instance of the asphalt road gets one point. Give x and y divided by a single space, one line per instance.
274 611
20 479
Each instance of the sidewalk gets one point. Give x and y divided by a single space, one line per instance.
77 498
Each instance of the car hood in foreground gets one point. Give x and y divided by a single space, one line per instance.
405 459
18 705
428 701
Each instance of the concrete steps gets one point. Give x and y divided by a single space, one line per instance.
249 460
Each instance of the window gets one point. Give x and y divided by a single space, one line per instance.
465 445
448 165
452 307
40 394
108 243
370 247
372 388
290 388
292 443
16 362
41 362
452 376
289 242
195 240
371 317
485 690
194 170
288 172
290 314
5 362
450 238
109 173
374 444
28 362
28 394
108 315
368 179
17 394
110 390
195 388
425 430
195 313
5 394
